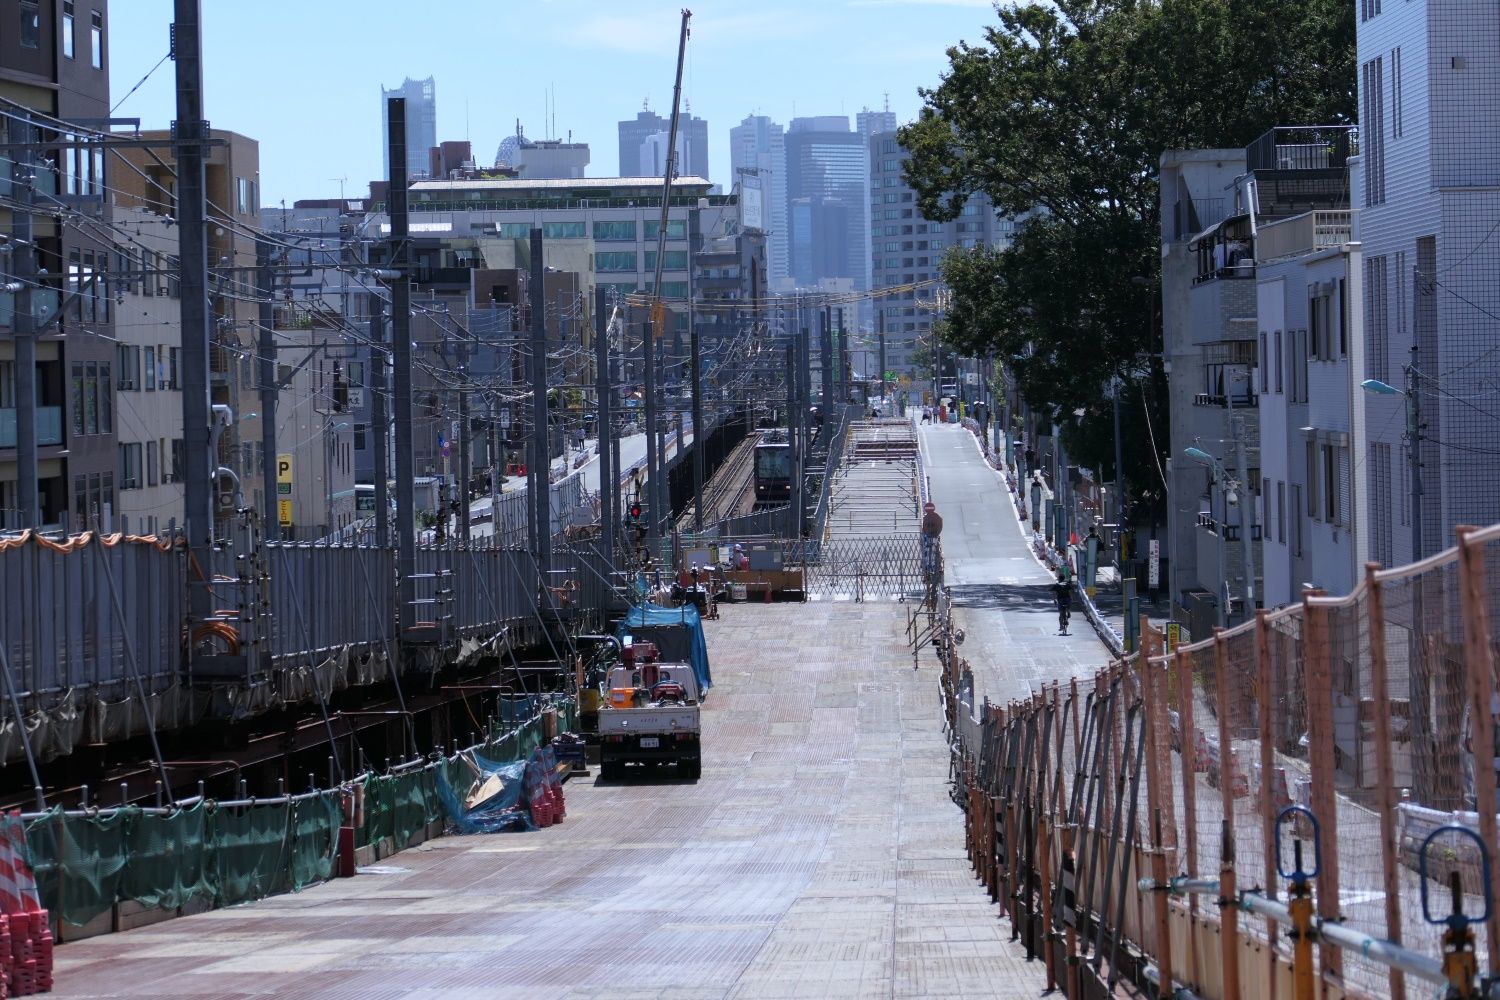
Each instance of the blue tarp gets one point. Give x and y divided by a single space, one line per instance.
504 811
646 621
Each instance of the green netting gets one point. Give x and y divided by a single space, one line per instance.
379 810
168 864
315 839
250 853
86 864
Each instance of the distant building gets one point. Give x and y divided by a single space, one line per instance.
547 159
907 249
654 156
693 132
757 146
868 123
421 125
827 177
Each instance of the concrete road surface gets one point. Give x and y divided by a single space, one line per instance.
818 856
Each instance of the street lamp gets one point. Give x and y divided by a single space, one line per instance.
1413 438
1204 458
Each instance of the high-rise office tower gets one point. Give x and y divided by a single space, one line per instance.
421 124
758 145
692 133
827 176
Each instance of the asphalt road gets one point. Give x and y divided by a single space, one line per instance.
1003 594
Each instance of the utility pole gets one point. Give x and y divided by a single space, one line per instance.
378 420
1414 452
1247 514
400 258
538 469
1119 459
603 420
27 496
465 458
190 129
653 457
266 344
794 428
825 351
881 374
696 348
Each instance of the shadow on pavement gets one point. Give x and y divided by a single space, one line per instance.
1025 597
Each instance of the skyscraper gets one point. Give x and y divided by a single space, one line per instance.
868 123
692 134
827 176
421 124
758 145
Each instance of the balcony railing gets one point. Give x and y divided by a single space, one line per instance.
1311 231
48 426
1307 147
1239 401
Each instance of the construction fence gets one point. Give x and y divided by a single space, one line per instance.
1149 825
88 862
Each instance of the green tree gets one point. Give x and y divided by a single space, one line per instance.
1060 117
921 355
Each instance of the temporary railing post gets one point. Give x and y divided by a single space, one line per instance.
1480 668
1315 658
1268 804
1229 937
1156 768
1385 767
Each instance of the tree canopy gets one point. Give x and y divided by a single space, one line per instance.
1060 117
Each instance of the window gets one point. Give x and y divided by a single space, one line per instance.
676 229
171 382
564 230
96 39
1377 315
1331 484
1368 9
1398 124
242 195
1382 488
1343 318
106 401
615 260
513 230
605 232
1278 362
91 399
151 458
179 465
359 437
1372 77
77 380
1311 458
937 244
130 466
1265 366
1296 502
67 29
31 25
1281 512
150 369
127 362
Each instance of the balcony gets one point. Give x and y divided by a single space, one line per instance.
1309 232
1229 401
1300 169
48 426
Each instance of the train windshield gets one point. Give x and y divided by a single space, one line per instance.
773 463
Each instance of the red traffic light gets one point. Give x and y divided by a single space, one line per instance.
635 510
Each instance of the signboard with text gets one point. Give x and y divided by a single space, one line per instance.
284 489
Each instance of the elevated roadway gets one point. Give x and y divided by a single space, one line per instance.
818 856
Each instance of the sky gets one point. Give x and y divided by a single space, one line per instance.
303 78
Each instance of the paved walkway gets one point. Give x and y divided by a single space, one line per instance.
819 856
1005 604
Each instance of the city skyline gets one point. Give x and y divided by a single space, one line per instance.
592 68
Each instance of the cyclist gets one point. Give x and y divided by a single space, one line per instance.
1064 594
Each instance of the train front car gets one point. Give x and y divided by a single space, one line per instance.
773 470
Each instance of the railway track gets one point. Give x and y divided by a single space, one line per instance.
731 490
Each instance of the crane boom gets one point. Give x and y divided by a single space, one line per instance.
658 311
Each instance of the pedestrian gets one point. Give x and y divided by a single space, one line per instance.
926 414
1062 592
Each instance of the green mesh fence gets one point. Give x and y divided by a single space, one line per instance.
84 865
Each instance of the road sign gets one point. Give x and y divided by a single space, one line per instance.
1153 563
284 513
284 483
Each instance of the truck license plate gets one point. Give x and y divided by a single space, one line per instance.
648 742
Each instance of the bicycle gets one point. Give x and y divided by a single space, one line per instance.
1063 614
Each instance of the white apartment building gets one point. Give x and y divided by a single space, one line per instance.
1429 72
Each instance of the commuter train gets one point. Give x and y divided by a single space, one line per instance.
773 470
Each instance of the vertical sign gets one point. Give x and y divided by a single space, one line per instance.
284 489
1153 565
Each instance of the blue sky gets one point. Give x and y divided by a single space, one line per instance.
304 77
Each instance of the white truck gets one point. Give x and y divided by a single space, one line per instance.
649 714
